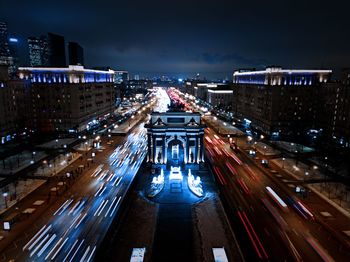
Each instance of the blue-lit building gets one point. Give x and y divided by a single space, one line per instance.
69 98
278 76
278 101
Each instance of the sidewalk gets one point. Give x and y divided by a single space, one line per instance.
293 147
16 163
57 164
334 193
58 143
128 125
222 127
265 149
18 190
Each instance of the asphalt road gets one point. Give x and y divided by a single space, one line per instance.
265 229
76 228
72 228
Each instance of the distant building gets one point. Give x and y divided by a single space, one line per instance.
69 98
220 98
278 101
47 51
14 53
38 51
5 56
4 47
121 76
75 54
57 53
136 77
217 94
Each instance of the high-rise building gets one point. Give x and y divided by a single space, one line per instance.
14 53
75 53
4 47
5 56
38 51
57 53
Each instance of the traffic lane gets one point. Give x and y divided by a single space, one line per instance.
338 221
239 199
304 225
266 232
314 227
257 204
325 237
80 192
46 214
96 159
82 238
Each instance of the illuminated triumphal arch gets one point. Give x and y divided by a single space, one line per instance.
175 138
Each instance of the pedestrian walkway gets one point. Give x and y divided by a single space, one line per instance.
128 125
265 149
57 164
222 127
334 193
293 147
19 189
58 143
18 162
15 192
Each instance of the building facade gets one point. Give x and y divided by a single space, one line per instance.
14 106
69 98
175 138
333 112
278 101
221 98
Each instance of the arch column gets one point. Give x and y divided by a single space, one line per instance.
186 150
202 147
149 148
163 151
154 149
195 150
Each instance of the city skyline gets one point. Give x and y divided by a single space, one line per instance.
212 39
174 131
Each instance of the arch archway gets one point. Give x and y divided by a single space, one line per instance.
175 151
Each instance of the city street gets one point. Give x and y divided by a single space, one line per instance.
275 232
74 226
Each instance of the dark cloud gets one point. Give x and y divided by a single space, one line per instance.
184 37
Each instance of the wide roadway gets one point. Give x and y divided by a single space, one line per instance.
243 187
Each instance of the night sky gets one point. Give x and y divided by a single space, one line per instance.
180 38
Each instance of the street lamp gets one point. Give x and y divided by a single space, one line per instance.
5 194
33 155
283 159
